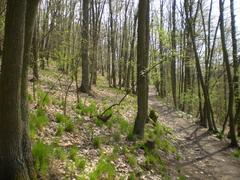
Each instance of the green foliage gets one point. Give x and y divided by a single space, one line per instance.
73 152
38 119
153 160
124 126
220 135
98 122
90 110
236 153
116 136
57 101
120 123
158 134
80 163
104 170
59 153
182 177
132 176
97 142
66 124
41 155
60 118
30 98
60 130
189 97
132 160
42 98
69 126
131 136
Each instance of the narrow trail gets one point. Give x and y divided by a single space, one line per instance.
203 156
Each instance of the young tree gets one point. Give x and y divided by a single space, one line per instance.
173 62
113 45
142 65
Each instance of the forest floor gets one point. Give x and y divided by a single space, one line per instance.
203 156
80 146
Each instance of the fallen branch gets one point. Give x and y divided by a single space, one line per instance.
104 117
51 88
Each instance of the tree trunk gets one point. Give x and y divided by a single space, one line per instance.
131 57
234 142
173 62
142 65
32 6
12 164
235 67
35 54
113 45
85 61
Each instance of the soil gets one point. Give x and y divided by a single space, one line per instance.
202 155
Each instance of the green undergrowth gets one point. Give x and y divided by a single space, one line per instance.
155 144
41 155
38 119
236 153
65 124
87 110
104 169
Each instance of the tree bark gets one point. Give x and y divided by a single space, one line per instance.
142 65
235 67
113 45
85 61
173 62
12 165
234 142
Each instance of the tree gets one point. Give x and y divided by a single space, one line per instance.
30 17
85 61
190 20
142 65
12 165
173 62
113 45
234 142
235 67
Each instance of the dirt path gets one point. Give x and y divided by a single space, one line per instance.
203 156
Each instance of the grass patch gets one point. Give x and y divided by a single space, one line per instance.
97 141
38 119
60 130
43 98
236 153
65 124
104 170
80 163
132 160
41 155
73 153
87 110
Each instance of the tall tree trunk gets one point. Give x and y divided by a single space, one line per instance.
142 65
113 45
173 62
234 142
31 13
131 57
35 54
235 67
208 107
12 163
85 61
161 69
